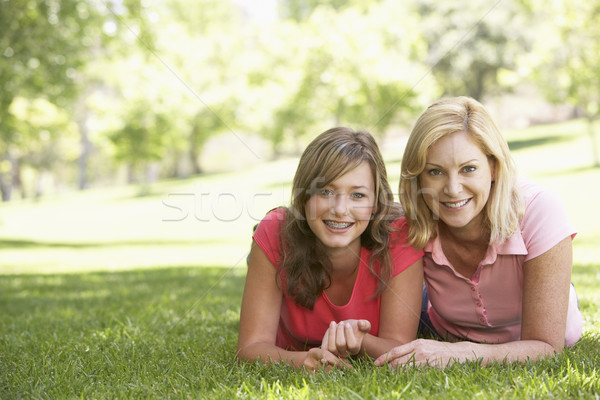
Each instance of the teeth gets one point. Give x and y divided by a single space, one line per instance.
338 225
456 205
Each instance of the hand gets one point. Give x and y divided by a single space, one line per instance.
345 339
318 358
423 352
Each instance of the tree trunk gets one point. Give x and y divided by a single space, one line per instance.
7 177
85 153
5 188
593 141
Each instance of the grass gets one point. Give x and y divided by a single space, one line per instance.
107 294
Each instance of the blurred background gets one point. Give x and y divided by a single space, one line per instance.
138 133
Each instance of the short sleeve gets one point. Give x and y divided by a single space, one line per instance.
403 255
545 221
267 235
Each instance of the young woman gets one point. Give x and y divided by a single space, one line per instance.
498 254
335 261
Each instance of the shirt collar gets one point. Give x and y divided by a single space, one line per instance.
514 245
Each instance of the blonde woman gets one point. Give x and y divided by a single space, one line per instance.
331 275
498 253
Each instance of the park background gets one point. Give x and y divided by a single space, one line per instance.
141 140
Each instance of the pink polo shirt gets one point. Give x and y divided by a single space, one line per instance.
487 307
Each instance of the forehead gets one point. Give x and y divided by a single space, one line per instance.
456 148
362 175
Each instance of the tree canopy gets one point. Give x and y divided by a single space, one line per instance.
146 84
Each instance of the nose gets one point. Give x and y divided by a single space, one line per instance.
453 185
340 205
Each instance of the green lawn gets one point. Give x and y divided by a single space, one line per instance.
108 294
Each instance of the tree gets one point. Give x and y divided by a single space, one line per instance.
141 138
469 44
46 137
44 48
300 10
566 62
348 66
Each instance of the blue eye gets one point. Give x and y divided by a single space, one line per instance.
358 195
434 172
469 168
326 192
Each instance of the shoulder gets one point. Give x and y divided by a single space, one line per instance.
272 220
534 195
267 233
399 223
545 221
403 255
541 204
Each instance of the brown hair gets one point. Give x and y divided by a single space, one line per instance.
329 156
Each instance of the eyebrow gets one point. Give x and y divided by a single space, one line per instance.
352 187
463 163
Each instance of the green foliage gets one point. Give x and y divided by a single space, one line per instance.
208 67
567 64
299 10
354 67
45 47
141 138
471 44
44 134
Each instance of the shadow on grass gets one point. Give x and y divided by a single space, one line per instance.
24 243
572 171
154 297
518 144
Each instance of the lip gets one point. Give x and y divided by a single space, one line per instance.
338 226
455 205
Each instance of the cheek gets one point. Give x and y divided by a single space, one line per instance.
431 201
364 213
310 209
428 191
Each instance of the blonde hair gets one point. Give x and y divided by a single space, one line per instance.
504 208
329 156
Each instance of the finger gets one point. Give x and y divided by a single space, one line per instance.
393 354
411 361
311 362
352 344
364 325
331 345
325 341
340 340
341 363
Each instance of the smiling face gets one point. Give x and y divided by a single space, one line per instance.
340 212
457 181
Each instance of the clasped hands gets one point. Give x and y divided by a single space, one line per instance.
345 339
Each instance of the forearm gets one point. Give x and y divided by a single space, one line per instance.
268 353
374 346
521 350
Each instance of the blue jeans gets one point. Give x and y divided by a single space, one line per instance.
426 328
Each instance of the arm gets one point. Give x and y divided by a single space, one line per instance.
399 313
259 319
546 281
399 318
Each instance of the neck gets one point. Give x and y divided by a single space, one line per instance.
345 260
474 236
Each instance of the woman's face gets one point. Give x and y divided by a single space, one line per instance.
457 181
340 212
